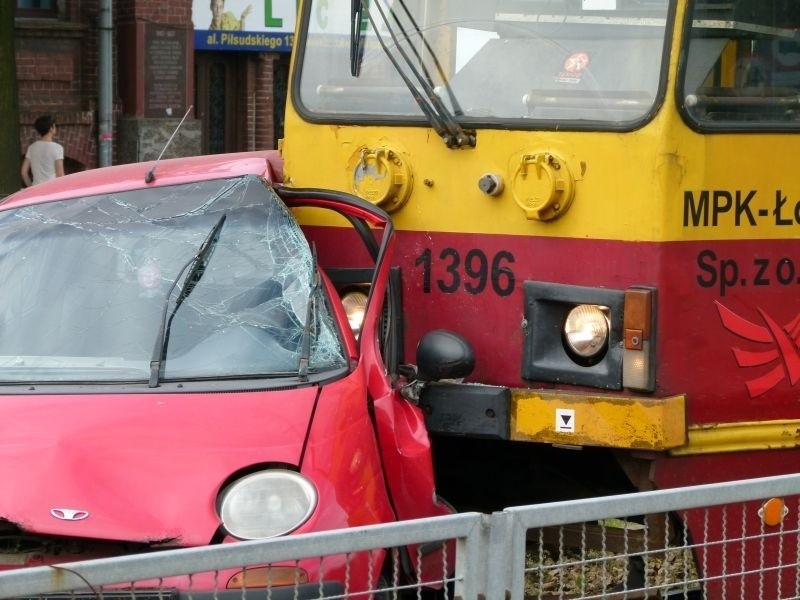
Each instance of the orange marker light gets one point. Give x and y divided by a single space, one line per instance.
637 354
772 512
267 577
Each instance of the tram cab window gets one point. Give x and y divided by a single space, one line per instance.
743 65
581 64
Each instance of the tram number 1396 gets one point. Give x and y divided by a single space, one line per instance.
474 271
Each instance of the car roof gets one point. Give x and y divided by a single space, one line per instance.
131 176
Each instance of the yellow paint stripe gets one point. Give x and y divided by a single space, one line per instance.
598 420
738 437
651 199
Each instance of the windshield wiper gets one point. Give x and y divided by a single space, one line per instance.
436 62
431 105
198 264
356 37
305 340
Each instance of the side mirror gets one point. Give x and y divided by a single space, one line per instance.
443 354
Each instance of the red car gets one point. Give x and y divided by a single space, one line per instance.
177 368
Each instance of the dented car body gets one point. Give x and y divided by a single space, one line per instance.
177 369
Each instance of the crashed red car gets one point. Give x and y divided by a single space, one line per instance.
176 369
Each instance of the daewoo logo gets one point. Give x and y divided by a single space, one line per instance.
783 351
69 514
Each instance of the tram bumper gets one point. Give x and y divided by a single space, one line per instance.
555 416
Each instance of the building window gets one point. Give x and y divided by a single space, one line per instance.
39 9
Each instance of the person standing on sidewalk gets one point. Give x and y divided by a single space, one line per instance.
44 159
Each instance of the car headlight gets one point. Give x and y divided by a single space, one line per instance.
267 504
355 303
586 330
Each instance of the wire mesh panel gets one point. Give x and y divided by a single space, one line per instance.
426 558
614 558
736 540
749 549
281 580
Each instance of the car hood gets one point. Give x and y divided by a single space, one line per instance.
139 467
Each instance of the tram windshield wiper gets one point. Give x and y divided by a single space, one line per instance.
429 102
356 37
436 62
198 264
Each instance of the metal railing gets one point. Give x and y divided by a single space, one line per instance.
731 540
707 541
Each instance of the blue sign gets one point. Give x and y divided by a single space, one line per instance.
244 25
243 40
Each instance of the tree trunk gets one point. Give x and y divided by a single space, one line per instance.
10 180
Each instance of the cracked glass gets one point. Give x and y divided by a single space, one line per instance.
86 282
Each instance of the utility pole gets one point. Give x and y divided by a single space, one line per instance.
105 125
10 180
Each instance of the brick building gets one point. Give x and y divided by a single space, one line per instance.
157 72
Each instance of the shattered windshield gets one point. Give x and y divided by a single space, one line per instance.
591 62
86 282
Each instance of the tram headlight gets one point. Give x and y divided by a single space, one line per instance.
355 303
589 336
586 331
573 335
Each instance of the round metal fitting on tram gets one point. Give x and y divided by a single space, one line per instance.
543 186
381 176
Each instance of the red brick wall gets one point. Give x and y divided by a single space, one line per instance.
57 75
263 115
57 71
167 12
50 78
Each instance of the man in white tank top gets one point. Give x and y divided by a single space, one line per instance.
44 159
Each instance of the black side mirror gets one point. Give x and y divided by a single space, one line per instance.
443 354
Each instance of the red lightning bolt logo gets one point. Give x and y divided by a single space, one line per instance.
784 351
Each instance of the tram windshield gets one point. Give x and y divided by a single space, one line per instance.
479 62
